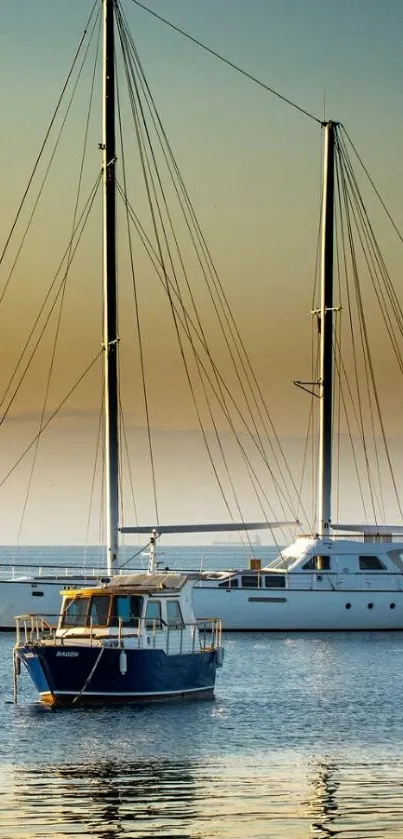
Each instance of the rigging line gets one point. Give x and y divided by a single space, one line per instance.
366 353
341 369
129 469
214 278
64 283
86 210
155 211
36 164
138 323
185 315
47 170
229 63
166 283
377 193
52 416
370 375
376 263
154 259
134 556
94 471
209 262
176 290
342 198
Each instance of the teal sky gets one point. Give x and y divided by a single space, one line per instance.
251 162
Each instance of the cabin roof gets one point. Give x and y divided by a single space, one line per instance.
135 583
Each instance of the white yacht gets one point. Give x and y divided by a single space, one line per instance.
323 581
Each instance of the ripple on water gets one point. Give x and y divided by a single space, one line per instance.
305 738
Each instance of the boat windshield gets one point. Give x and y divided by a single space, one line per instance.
75 611
282 562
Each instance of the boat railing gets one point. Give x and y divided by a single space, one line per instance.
201 635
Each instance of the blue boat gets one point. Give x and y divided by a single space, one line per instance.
133 639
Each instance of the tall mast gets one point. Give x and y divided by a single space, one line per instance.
110 331
326 335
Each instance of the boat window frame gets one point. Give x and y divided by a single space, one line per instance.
278 581
313 565
252 576
66 604
98 596
178 622
134 620
363 557
153 623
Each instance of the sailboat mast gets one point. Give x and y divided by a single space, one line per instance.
110 331
326 335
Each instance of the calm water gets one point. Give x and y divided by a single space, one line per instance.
304 738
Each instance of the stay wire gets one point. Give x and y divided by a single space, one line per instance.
46 173
218 288
48 130
82 221
64 285
50 418
187 332
229 63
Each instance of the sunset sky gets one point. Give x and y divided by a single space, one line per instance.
252 166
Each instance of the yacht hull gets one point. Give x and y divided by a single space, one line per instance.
92 675
301 610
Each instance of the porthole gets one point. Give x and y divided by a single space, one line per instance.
348 605
392 605
37 593
370 605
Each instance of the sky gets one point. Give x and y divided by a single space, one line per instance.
252 165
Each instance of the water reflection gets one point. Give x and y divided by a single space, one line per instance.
296 797
106 801
322 802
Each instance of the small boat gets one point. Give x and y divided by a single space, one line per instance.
133 640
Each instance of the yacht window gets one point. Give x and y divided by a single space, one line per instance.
250 580
174 614
282 562
75 612
397 557
99 610
317 563
153 614
128 609
274 581
371 563
231 583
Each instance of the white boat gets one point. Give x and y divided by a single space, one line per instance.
294 591
323 581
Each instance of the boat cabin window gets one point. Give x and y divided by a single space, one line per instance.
99 610
250 580
174 614
371 563
153 614
75 611
274 581
282 562
397 557
232 582
317 563
128 608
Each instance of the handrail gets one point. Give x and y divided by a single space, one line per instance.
35 630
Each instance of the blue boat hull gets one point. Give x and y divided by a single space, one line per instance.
78 675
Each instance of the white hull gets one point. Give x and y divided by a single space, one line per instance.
247 609
33 596
301 610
